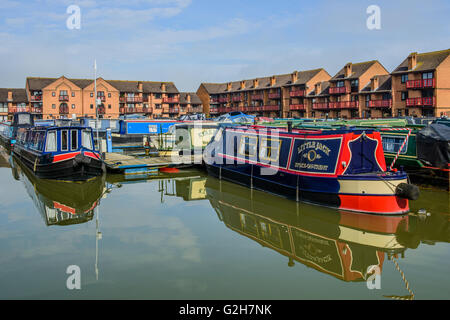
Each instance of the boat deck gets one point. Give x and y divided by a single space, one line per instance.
136 164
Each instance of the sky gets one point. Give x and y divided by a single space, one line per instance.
194 41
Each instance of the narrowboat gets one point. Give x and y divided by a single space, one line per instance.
9 131
338 243
62 153
59 202
342 169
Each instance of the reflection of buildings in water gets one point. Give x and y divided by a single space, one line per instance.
341 244
187 184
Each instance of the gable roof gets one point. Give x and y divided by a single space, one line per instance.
425 61
281 80
18 95
35 83
194 98
358 69
384 85
324 92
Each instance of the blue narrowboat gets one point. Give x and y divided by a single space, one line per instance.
8 132
61 153
342 169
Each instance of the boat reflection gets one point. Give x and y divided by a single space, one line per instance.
342 244
61 203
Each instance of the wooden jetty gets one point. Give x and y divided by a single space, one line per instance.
117 162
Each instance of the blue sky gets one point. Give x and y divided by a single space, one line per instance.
194 41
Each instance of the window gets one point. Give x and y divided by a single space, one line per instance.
53 106
404 95
269 149
393 144
73 94
92 94
340 84
92 106
157 106
158 96
73 139
86 139
248 146
404 78
100 94
64 140
50 145
73 106
355 83
427 75
53 94
63 93
109 95
109 106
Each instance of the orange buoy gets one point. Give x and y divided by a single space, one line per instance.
169 170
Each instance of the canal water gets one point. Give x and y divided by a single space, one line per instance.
190 236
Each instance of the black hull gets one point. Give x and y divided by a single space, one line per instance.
81 168
325 199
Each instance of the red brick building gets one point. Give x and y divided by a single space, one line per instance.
11 101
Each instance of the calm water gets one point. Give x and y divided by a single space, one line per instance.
194 237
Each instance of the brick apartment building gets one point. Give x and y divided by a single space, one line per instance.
12 100
190 103
62 97
275 96
419 86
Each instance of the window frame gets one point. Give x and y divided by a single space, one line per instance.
67 140
261 147
255 144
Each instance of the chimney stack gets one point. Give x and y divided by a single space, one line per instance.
294 77
242 84
273 81
374 83
318 88
188 97
163 87
412 61
229 86
255 83
10 96
140 86
348 70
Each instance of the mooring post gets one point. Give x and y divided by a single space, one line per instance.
108 140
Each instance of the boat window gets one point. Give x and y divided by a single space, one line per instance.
64 140
50 145
393 144
248 146
269 149
74 139
86 139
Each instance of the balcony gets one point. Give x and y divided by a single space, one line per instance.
297 93
101 110
35 98
63 98
223 100
36 110
257 97
421 84
236 98
344 105
170 100
130 99
380 103
174 110
275 95
124 110
295 107
339 90
19 109
270 108
102 98
214 100
321 106
421 102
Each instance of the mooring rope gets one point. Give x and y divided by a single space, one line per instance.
411 296
401 148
